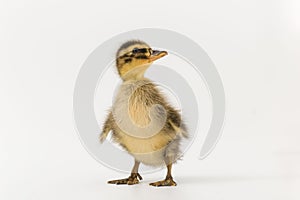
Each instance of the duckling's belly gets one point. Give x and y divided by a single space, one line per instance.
153 159
149 151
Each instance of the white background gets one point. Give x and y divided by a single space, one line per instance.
255 46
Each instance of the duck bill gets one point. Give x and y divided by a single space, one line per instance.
157 54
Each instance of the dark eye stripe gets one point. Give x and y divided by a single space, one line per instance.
136 51
142 50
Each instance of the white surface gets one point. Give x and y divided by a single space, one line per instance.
255 46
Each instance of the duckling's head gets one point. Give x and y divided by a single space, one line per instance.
134 57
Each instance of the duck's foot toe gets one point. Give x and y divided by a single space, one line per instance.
166 182
131 180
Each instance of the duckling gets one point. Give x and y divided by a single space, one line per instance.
141 119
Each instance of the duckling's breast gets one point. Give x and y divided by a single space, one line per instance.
138 109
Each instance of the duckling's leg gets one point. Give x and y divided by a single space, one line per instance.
169 179
132 179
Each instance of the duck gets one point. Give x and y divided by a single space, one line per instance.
141 119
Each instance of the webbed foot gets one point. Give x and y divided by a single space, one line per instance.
131 180
166 182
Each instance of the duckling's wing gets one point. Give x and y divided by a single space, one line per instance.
107 126
176 122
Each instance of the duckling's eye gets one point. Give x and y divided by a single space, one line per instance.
135 50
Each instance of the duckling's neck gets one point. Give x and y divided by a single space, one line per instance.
136 73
